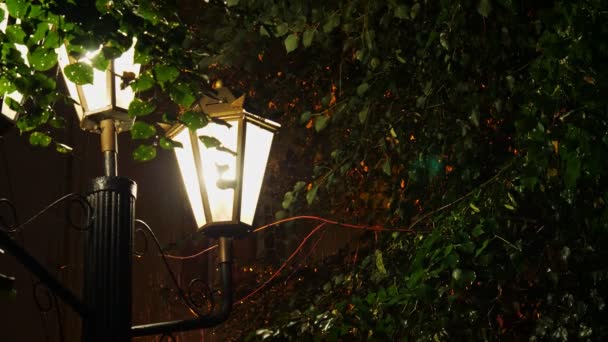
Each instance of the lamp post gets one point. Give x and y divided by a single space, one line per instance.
222 172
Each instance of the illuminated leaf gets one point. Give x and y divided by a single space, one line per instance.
40 139
312 194
182 94
321 122
79 73
291 42
307 37
43 59
194 120
144 153
168 144
142 130
138 107
165 73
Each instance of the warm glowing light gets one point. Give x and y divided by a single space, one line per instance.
189 176
219 169
224 181
105 94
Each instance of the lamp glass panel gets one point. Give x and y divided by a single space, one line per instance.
15 95
6 110
187 167
4 18
123 64
219 169
63 60
257 150
97 95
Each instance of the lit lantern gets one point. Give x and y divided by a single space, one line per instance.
8 115
104 98
223 182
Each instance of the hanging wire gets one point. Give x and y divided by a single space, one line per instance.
180 291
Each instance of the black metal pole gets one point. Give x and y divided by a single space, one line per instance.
32 265
202 322
108 255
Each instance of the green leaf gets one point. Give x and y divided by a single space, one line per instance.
415 10
291 42
63 148
231 3
182 94
287 200
332 22
6 86
379 262
138 107
40 139
362 88
308 36
475 209
42 59
100 62
312 194
17 8
281 29
15 34
143 83
144 153
484 8
79 73
52 40
142 130
142 56
305 117
510 207
166 73
194 120
363 114
321 122
210 142
402 12
168 144
386 166
478 230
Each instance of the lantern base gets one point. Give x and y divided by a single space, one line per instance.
92 120
226 229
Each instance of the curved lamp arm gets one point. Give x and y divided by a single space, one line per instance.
206 321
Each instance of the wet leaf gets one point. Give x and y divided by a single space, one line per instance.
291 42
142 130
138 107
79 73
40 139
144 153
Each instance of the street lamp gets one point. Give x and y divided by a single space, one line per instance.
223 164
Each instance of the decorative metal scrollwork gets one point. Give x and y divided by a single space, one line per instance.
200 296
12 225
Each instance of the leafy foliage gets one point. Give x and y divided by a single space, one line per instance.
479 123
